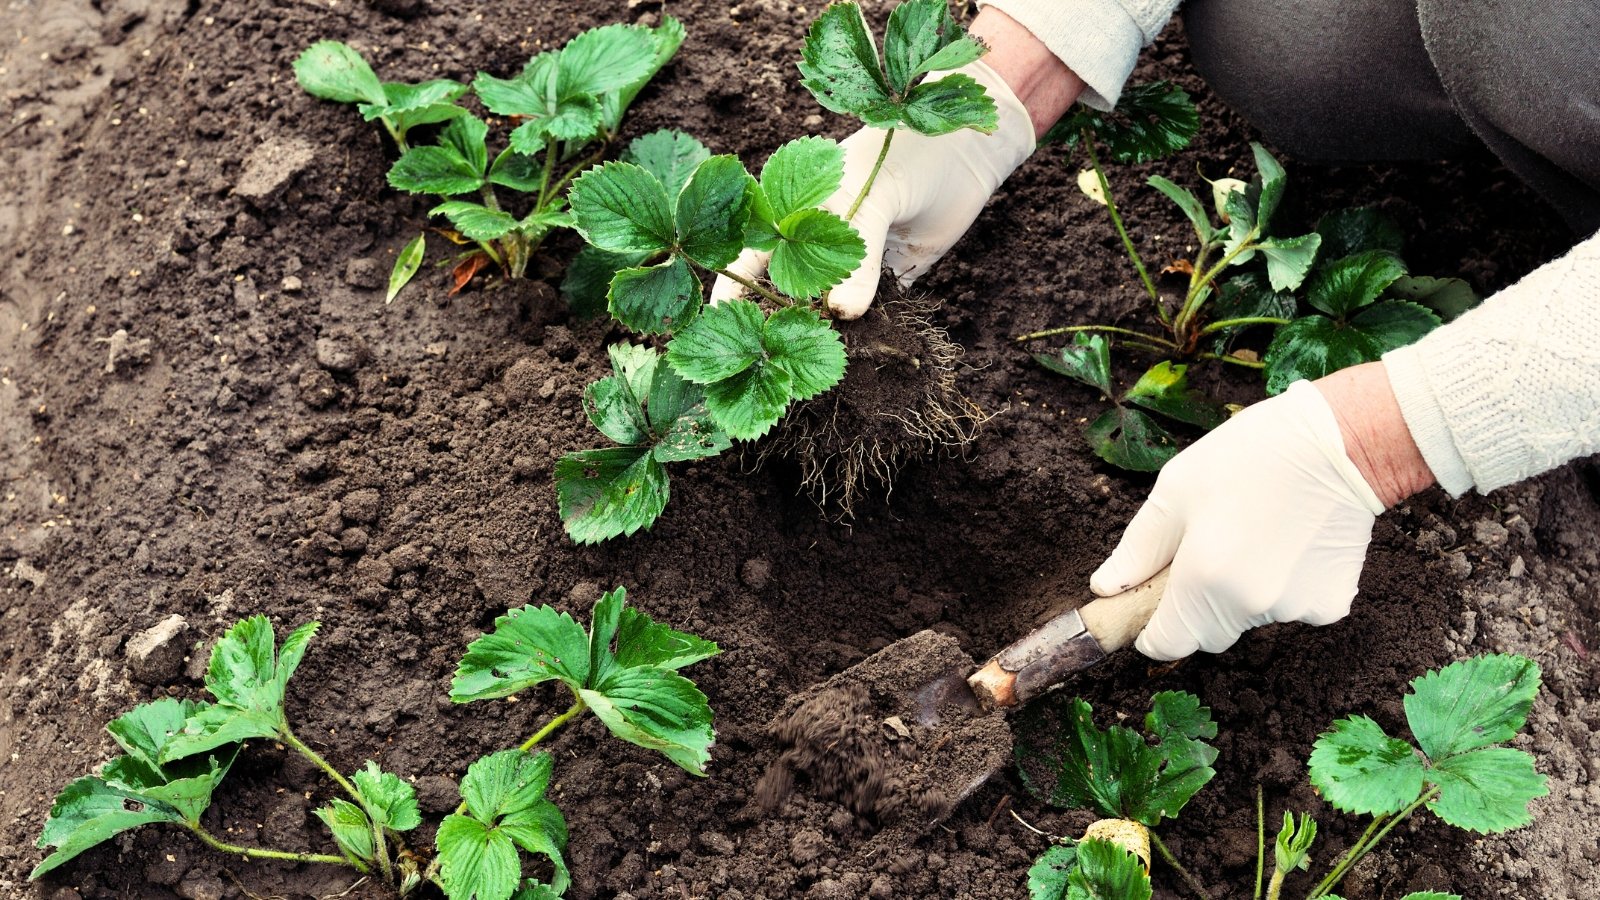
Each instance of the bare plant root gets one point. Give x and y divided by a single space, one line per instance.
898 403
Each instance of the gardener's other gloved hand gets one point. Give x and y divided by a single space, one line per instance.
929 192
1267 518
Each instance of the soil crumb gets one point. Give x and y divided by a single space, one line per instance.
898 403
856 740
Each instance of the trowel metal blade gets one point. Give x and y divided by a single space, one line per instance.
948 691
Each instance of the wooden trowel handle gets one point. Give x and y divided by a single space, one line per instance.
1068 643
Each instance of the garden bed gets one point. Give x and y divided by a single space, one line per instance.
266 436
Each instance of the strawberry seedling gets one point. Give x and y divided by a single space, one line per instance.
177 751
1458 767
568 104
335 71
669 208
1348 272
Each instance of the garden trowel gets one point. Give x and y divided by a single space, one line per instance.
946 722
1042 659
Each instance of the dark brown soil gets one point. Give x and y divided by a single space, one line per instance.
206 410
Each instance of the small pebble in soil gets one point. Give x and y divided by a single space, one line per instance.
318 389
201 884
361 506
341 354
292 284
522 381
437 794
755 573
1489 533
155 655
364 272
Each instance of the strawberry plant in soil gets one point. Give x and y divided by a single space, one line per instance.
266 437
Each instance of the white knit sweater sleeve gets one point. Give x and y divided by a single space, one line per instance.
1099 40
1512 388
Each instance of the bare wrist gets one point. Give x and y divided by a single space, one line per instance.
1375 434
1041 81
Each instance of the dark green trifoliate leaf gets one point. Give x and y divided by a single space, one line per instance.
1487 790
751 367
406 264
841 68
801 174
657 709
1273 180
1150 121
671 156
505 783
506 809
475 860
1471 704
1347 232
550 109
248 679
1130 439
816 250
1086 359
1247 296
661 417
712 211
1181 726
1395 323
587 284
606 493
335 71
1164 389
454 166
667 38
680 424
1113 772
923 37
643 642
1292 850
1047 878
393 802
89 811
1189 203
528 646
1289 259
1349 283
605 59
145 730
1360 769
476 221
410 105
351 828
949 104
1313 346
1106 871
621 207
656 299
1448 297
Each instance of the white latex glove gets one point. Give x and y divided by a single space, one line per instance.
929 192
1265 519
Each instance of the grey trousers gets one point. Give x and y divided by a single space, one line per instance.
1367 80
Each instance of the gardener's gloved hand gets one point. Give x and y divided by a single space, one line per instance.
928 193
1267 518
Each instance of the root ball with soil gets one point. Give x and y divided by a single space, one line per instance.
898 403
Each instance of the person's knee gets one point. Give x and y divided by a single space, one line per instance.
1329 79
